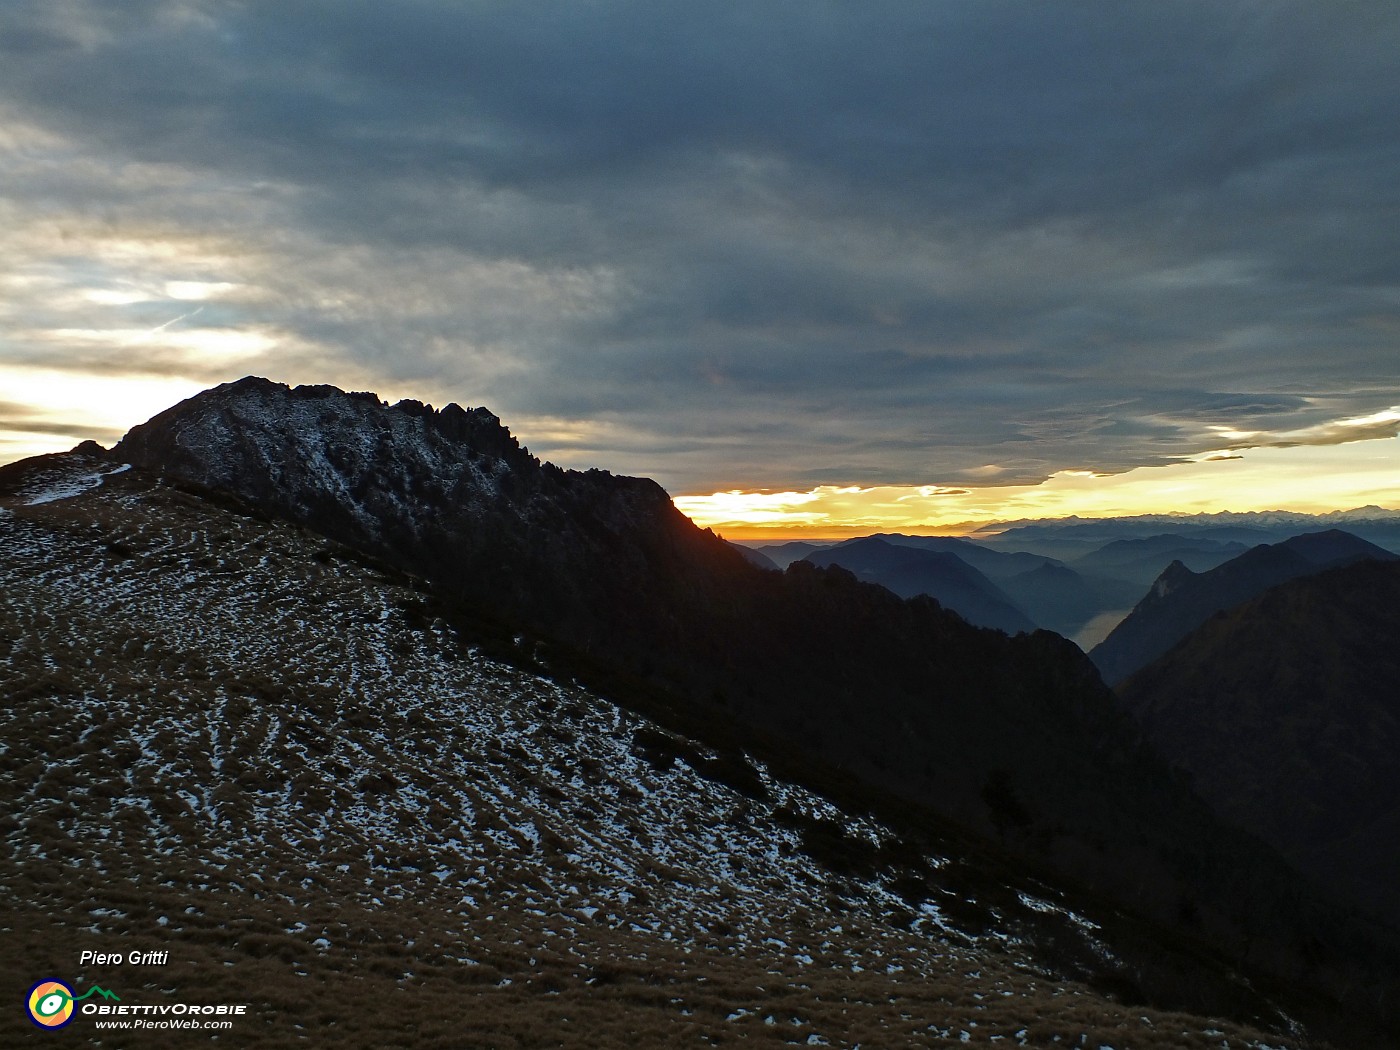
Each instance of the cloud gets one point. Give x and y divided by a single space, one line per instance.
775 246
21 419
75 431
1374 427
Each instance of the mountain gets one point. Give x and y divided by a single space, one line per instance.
1285 713
450 495
909 571
1051 594
620 584
1071 538
917 717
282 762
1180 600
755 557
1141 560
994 564
784 554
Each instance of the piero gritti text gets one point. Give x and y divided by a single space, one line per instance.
134 958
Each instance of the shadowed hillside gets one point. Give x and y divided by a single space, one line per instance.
1285 711
909 571
276 760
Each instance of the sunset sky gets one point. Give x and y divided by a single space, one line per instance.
817 267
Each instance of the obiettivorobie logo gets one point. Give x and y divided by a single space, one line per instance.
51 1002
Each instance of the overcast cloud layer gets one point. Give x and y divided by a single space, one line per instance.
771 244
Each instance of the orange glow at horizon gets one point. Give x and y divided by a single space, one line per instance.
1311 479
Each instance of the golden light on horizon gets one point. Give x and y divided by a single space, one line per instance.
753 508
98 406
1312 479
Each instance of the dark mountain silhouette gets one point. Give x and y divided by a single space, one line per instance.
909 571
784 554
755 557
1180 600
1285 711
995 565
1142 560
598 578
1047 591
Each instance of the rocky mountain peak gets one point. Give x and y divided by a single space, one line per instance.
1181 600
447 494
1173 576
262 419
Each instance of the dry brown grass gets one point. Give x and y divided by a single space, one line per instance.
610 991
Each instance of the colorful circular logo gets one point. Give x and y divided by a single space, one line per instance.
51 1004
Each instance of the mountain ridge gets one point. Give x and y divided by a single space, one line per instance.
321 800
1180 600
1282 710
1015 738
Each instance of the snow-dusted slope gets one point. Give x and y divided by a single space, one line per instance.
230 740
316 447
1014 738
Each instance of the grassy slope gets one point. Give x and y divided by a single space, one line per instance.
226 740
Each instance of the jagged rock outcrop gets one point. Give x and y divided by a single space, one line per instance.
449 494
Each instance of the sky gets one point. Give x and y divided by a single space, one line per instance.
814 266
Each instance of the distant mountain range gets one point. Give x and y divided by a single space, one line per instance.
784 554
1181 600
1141 560
1009 590
910 571
997 565
1147 524
1285 712
1075 577
1073 537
